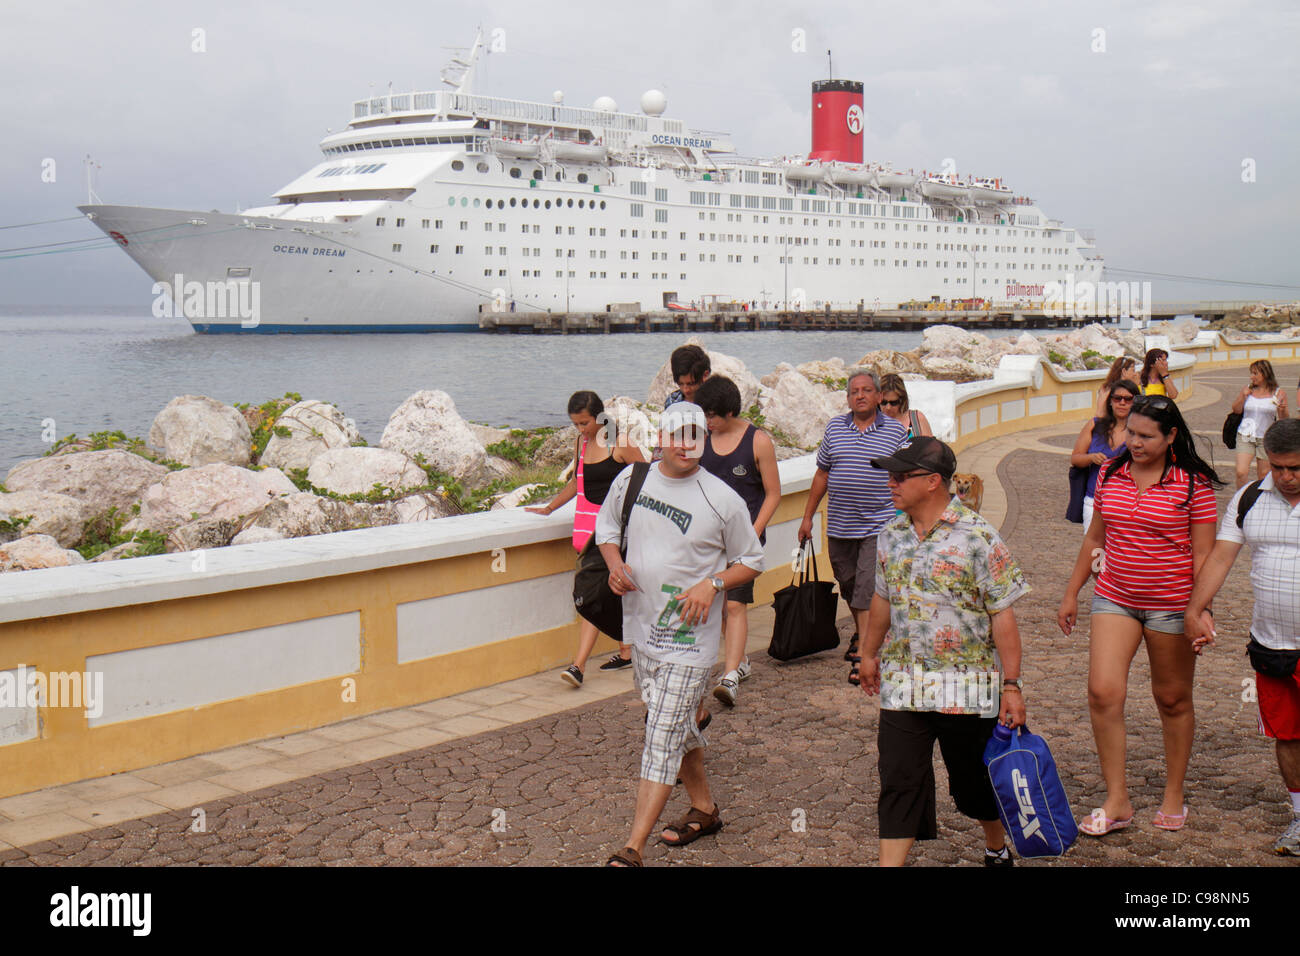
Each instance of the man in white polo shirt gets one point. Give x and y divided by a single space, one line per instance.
689 541
1271 527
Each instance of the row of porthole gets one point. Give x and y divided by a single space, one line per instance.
515 172
537 203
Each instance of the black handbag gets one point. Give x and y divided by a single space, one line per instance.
1271 663
805 614
1230 426
592 596
1078 491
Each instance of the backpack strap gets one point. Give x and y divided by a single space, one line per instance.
1248 499
639 471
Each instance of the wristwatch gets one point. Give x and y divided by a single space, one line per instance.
717 583
1017 683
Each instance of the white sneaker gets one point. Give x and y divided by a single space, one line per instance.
743 671
726 689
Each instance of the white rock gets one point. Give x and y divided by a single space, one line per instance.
515 498
216 492
62 517
558 448
488 435
124 550
726 365
800 409
314 428
634 422
256 535
424 506
953 369
427 424
98 479
197 430
1028 344
1094 338
948 340
883 361
770 379
302 514
36 551
350 471
819 371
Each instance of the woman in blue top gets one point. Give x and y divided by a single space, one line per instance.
1103 438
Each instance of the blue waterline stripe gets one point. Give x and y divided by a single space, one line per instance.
212 328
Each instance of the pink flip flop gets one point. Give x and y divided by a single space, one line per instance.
1089 826
1170 821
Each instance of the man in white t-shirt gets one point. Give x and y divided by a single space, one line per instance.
689 541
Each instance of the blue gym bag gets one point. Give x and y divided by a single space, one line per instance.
1031 799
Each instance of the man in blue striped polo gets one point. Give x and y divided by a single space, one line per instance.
860 504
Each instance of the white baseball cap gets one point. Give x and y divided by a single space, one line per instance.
681 414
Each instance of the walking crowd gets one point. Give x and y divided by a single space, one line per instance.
931 587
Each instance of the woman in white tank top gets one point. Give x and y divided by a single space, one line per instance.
1259 404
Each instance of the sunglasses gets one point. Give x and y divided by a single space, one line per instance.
898 477
1122 398
1159 402
891 401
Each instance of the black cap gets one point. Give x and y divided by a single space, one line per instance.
924 452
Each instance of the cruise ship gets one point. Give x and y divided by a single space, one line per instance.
432 208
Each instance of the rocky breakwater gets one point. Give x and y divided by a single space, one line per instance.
212 474
1283 318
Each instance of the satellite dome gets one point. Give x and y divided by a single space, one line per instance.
605 104
653 102
558 96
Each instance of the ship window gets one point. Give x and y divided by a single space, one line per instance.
582 177
481 167
514 172
451 200
536 203
537 174
380 221
512 201
437 224
457 165
602 204
570 203
548 204
401 223
476 203
459 250
559 174
397 247
581 202
433 248
464 201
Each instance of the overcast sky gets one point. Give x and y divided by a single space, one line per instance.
1133 119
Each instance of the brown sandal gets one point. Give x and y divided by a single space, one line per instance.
686 833
625 857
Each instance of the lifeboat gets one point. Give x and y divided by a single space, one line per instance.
801 172
990 191
579 152
851 175
888 179
516 148
933 188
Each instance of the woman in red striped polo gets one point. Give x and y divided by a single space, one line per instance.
1152 528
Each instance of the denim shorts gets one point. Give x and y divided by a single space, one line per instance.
1166 622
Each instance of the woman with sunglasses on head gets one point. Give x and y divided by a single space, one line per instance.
1155 378
1123 368
1259 404
1103 438
1153 527
894 403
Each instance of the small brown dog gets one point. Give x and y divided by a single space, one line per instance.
969 489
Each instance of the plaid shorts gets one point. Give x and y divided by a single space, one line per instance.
672 694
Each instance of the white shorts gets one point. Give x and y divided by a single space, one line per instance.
672 695
1251 446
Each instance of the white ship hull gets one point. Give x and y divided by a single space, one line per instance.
425 213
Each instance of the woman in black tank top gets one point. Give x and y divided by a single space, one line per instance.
744 458
600 464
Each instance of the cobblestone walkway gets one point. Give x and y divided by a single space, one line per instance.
793 767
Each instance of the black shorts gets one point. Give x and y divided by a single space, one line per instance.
743 594
906 748
854 562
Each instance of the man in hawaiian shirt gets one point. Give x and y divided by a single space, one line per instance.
945 584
